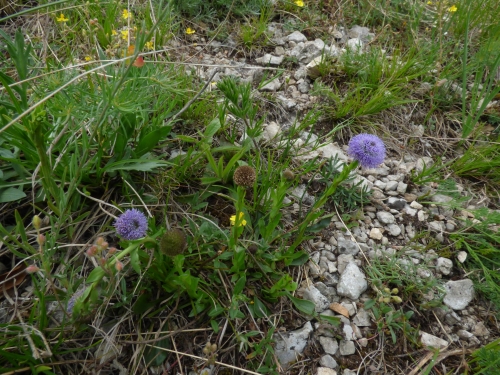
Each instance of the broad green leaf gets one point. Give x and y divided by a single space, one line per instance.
215 311
331 319
211 129
150 140
134 260
307 307
186 138
301 259
143 303
369 304
240 284
11 195
95 275
156 356
214 325
209 180
320 225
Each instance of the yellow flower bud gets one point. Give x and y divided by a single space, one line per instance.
37 222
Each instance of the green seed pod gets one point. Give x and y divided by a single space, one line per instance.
387 290
395 291
173 242
387 299
396 299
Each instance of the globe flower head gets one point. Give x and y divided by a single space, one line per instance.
367 149
131 225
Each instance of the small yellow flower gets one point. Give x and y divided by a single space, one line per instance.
232 219
190 31
299 3
113 32
149 45
452 9
62 18
126 15
124 34
88 58
429 3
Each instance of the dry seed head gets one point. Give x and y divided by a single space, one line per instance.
173 242
252 248
244 176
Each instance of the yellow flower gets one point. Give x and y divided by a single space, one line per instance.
113 32
124 34
299 3
126 15
429 3
88 58
232 219
190 31
149 45
452 9
61 18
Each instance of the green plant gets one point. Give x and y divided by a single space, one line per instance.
480 239
485 359
254 30
393 320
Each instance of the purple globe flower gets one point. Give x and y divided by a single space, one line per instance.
131 225
368 149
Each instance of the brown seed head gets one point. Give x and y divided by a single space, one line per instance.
244 176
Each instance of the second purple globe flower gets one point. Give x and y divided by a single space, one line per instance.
367 149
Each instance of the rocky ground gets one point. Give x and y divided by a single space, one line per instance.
404 228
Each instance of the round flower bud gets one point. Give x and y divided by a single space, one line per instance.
118 266
395 291
173 242
396 299
288 174
32 269
37 222
244 176
41 239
